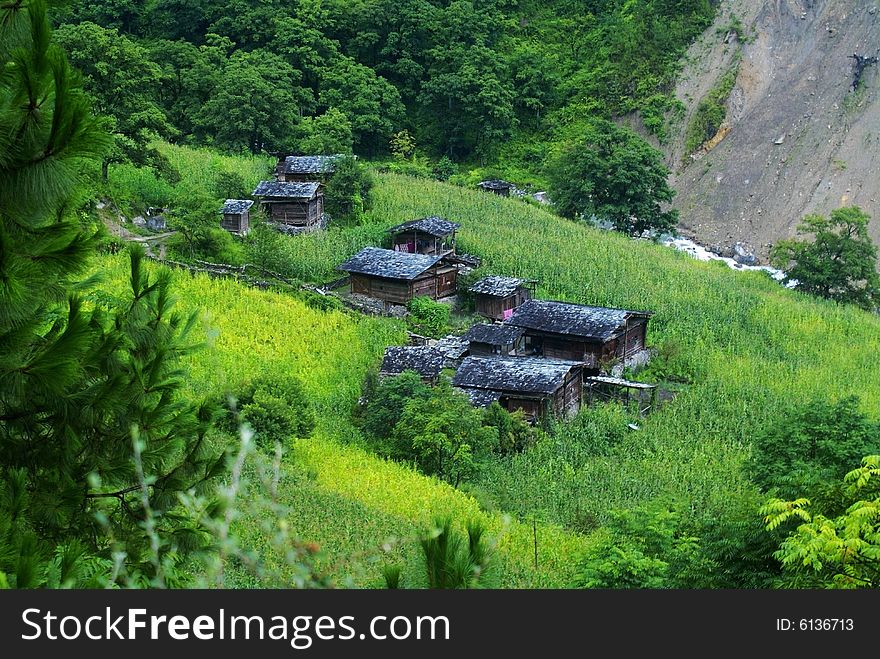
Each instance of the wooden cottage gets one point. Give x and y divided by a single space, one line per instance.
398 277
496 297
594 336
429 235
236 216
428 362
538 387
296 205
503 340
496 186
306 169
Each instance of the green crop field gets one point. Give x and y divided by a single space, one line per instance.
343 497
741 348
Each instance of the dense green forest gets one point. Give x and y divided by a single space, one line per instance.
490 82
163 425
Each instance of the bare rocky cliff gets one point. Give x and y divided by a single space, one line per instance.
797 138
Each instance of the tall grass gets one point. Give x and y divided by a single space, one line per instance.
345 499
134 188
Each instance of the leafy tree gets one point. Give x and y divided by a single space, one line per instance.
466 104
123 82
535 81
428 317
255 104
263 245
391 36
370 102
614 175
76 375
178 19
299 39
229 184
514 432
445 169
349 190
645 548
385 407
839 551
187 78
123 15
325 134
443 435
839 263
812 448
403 145
276 408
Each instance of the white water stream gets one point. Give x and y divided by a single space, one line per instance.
700 253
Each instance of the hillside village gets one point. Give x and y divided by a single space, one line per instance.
379 294
533 356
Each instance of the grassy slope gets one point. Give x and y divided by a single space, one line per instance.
342 497
749 346
132 188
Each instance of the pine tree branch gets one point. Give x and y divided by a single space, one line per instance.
118 494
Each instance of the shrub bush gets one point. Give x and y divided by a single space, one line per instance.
428 317
276 408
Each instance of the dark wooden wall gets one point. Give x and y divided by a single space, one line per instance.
494 307
487 349
235 222
533 409
437 282
591 354
296 213
567 399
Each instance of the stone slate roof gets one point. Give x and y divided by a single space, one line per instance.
309 164
424 360
481 397
595 323
433 226
524 375
496 335
387 263
495 184
236 206
497 286
282 190
453 348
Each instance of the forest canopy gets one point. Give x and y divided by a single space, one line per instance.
464 77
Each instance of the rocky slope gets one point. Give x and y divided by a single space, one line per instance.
797 138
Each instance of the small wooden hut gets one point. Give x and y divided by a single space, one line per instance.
538 387
594 336
306 169
398 277
496 297
502 340
236 216
428 362
604 388
496 186
428 235
296 205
